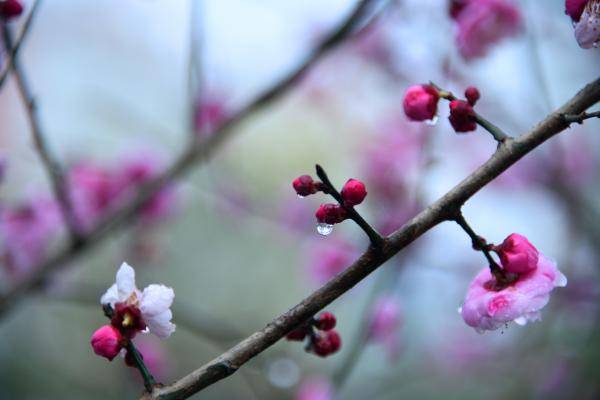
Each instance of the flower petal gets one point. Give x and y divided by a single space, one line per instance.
160 324
111 296
125 281
156 299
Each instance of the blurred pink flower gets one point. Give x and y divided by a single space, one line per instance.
27 231
94 192
97 190
386 318
138 169
487 309
154 355
328 258
483 23
315 389
210 113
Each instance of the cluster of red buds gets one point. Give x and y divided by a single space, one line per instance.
10 9
323 339
353 193
420 104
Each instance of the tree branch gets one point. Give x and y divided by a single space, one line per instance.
51 165
444 209
14 49
579 118
196 154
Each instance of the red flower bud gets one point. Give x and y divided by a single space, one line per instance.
472 95
420 102
107 342
331 214
325 321
305 185
462 116
574 8
10 9
326 343
298 334
353 192
517 254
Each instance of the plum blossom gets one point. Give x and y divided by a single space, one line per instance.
482 23
315 389
27 231
385 321
486 308
153 303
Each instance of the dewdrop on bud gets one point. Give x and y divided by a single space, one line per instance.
324 229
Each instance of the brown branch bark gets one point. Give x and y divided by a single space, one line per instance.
444 209
196 154
14 49
51 165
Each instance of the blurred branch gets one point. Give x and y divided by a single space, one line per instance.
51 165
16 46
197 153
444 209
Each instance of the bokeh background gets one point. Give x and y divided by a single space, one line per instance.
119 80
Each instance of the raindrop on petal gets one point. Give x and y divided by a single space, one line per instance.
433 121
324 229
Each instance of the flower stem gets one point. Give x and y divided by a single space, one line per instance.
497 133
480 244
149 380
376 239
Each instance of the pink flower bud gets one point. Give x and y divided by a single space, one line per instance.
517 255
462 116
472 95
107 342
10 9
574 8
353 192
325 321
305 185
420 102
330 214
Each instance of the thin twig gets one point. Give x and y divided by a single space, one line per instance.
376 239
579 118
479 244
498 134
14 49
444 209
51 165
195 155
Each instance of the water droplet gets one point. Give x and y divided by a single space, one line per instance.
433 121
324 229
300 196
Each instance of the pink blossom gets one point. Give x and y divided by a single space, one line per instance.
210 113
315 389
94 192
587 29
487 309
327 259
138 169
154 355
386 318
483 23
27 231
